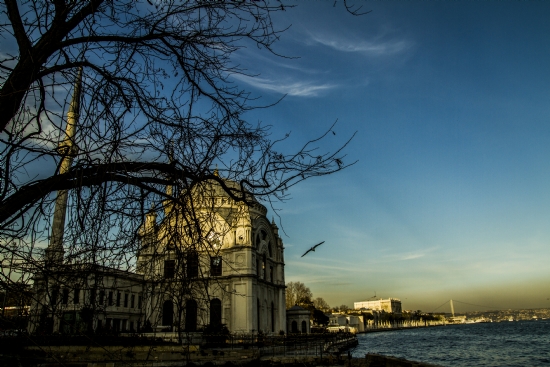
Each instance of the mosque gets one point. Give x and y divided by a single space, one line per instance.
222 264
234 276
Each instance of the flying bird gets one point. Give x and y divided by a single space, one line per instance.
313 248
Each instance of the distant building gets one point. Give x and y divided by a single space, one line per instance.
392 305
457 319
348 323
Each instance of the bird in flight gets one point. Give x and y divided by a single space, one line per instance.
313 248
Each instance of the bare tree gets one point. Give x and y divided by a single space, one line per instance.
158 109
343 308
320 304
154 76
297 294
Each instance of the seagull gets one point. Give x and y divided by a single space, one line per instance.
313 248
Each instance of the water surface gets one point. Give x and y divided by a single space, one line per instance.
523 343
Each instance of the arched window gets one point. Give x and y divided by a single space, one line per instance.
191 315
261 236
304 327
294 327
215 312
168 313
269 249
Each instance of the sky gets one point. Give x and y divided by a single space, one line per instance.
450 194
449 198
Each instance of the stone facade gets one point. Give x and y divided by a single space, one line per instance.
72 299
224 267
298 320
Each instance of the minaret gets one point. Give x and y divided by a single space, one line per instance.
67 149
168 203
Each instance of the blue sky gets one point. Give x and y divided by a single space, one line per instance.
450 196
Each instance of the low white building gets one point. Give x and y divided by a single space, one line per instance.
390 305
346 323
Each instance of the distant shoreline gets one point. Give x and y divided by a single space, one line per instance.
378 330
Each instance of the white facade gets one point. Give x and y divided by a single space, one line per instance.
234 277
392 305
74 299
347 323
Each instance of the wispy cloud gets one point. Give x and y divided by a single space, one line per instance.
324 267
371 48
289 87
414 255
411 257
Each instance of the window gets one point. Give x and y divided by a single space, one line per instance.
125 299
93 292
168 313
271 274
55 294
169 269
190 315
118 296
133 301
258 267
65 296
304 327
110 298
116 324
216 266
139 302
101 297
76 298
215 312
192 264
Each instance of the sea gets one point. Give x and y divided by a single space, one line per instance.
503 344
